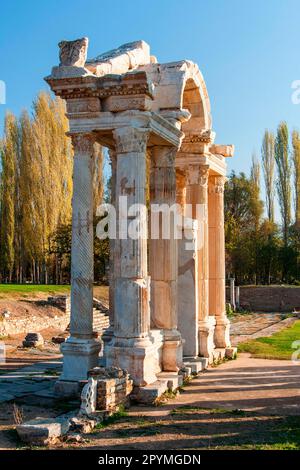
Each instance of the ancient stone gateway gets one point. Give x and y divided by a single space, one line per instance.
167 294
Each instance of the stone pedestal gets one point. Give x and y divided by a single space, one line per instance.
164 255
206 337
81 351
217 295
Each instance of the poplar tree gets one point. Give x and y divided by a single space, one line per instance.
296 164
8 164
268 164
283 177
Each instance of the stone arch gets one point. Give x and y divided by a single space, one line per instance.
179 86
195 99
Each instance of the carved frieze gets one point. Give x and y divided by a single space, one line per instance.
87 105
117 103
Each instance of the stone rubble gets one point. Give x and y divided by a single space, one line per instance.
33 340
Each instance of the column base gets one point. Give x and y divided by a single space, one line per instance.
206 337
141 357
231 353
172 360
222 332
80 355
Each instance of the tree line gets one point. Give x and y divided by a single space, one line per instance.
36 160
259 250
35 195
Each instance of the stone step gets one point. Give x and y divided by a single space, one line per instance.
196 364
174 380
148 394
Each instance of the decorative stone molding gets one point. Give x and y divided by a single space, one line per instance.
73 53
83 143
204 136
89 397
130 139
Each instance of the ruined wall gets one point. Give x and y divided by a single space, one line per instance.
268 298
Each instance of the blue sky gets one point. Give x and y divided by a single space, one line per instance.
247 51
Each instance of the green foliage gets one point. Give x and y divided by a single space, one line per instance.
35 195
284 176
255 251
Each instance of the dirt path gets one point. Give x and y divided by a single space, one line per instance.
246 404
243 404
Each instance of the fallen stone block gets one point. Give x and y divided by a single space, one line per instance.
82 425
33 340
42 431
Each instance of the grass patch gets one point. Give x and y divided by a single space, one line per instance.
121 413
277 346
192 409
32 288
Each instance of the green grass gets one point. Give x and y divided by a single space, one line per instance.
277 346
115 417
23 290
186 409
32 288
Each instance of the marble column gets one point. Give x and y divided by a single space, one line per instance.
108 333
187 291
217 295
81 350
164 256
197 199
132 346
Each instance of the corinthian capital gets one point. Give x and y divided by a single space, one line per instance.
197 174
131 139
83 143
164 156
216 184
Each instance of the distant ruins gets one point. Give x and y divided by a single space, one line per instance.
167 302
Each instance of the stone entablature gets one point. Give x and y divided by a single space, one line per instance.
145 112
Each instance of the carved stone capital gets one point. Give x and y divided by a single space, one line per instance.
73 53
197 174
216 184
131 139
83 143
163 156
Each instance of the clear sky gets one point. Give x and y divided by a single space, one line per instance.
248 52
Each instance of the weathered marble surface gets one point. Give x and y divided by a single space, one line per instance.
155 118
